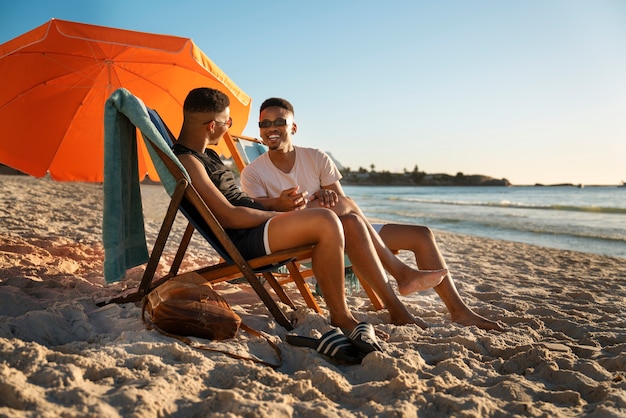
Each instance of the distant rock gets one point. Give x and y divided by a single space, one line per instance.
461 180
419 179
580 186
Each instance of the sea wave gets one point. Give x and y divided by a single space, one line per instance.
584 220
512 205
494 225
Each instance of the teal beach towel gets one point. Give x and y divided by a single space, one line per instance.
123 231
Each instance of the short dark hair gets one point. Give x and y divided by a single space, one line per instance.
205 99
278 102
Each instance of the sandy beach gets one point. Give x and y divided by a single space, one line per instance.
563 353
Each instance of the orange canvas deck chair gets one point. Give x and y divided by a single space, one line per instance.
124 114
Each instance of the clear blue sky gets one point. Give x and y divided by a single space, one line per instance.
533 91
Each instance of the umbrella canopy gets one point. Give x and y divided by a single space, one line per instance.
57 77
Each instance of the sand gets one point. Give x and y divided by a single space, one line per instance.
563 353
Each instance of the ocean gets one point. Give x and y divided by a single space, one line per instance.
589 219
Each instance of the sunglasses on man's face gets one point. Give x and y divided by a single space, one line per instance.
266 123
227 123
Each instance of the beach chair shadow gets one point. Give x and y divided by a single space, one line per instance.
185 199
245 150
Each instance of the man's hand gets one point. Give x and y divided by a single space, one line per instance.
327 198
290 200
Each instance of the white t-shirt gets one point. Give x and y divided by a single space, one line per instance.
312 170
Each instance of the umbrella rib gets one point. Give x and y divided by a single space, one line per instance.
43 83
147 80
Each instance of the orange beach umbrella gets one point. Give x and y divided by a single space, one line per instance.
57 77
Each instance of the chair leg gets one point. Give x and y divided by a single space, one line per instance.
182 249
297 277
146 283
373 297
164 232
378 304
280 292
265 297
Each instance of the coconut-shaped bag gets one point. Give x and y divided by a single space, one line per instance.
187 305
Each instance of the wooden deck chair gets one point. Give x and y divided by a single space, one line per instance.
276 280
244 150
185 198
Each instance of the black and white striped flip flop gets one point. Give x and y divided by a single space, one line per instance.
333 344
364 338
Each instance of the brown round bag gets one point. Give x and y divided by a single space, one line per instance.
187 305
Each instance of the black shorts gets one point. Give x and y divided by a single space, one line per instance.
249 242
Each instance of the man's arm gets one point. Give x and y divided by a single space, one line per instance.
229 216
288 200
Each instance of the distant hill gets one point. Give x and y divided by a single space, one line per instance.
337 163
420 179
413 178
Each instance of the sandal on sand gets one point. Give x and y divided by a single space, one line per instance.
333 344
364 338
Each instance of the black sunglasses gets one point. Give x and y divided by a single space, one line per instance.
266 123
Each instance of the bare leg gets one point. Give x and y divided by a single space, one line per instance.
421 241
412 280
368 267
322 228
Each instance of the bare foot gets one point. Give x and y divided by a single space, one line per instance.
407 319
346 324
472 318
421 280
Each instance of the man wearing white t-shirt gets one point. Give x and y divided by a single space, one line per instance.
291 178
